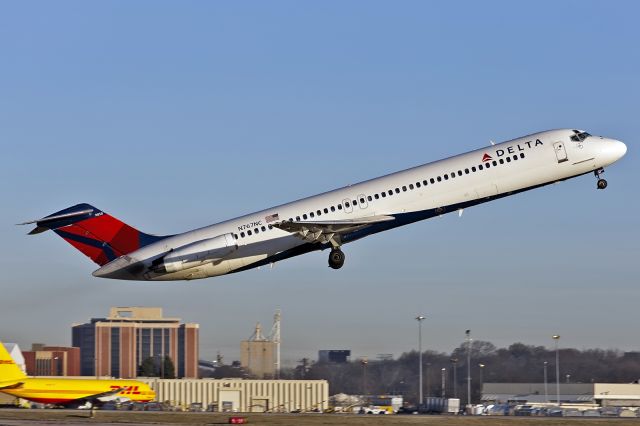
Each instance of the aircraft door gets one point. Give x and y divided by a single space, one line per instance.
362 201
561 152
347 206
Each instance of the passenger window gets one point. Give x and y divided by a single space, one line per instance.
297 218
319 212
453 174
487 165
384 194
355 202
390 192
432 181
311 214
459 172
446 177
257 231
521 155
370 198
404 189
339 206
269 226
473 169
242 234
346 204
361 200
264 229
466 171
508 159
424 182
326 210
515 157
501 161
235 236
249 232
397 190
411 186
304 216
376 196
333 209
495 163
417 184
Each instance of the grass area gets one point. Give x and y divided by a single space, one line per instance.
120 417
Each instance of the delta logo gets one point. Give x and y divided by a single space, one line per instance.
513 149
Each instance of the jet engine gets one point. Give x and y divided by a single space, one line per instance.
194 254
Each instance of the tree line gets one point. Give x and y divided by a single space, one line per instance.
518 363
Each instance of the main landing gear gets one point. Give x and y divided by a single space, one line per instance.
602 184
336 258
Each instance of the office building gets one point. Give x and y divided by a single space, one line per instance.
118 345
44 360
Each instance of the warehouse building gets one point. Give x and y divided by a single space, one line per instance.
603 394
239 395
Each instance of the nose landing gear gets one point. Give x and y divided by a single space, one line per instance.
336 258
602 184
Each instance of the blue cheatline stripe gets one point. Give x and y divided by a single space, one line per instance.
106 248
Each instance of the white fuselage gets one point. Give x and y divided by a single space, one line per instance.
451 184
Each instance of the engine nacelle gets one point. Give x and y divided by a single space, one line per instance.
194 254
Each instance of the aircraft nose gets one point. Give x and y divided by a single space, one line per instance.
619 149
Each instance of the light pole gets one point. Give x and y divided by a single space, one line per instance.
481 379
546 389
420 318
556 337
428 384
468 333
364 363
454 361
444 381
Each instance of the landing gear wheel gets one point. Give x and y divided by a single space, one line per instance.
336 259
602 184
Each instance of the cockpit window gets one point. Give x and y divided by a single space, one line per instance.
579 136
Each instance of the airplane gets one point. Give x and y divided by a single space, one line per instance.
68 392
332 219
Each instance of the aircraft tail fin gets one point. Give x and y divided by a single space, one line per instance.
9 370
98 235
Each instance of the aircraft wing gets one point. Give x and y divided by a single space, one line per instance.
327 230
12 386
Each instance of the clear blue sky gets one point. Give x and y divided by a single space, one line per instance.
175 115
